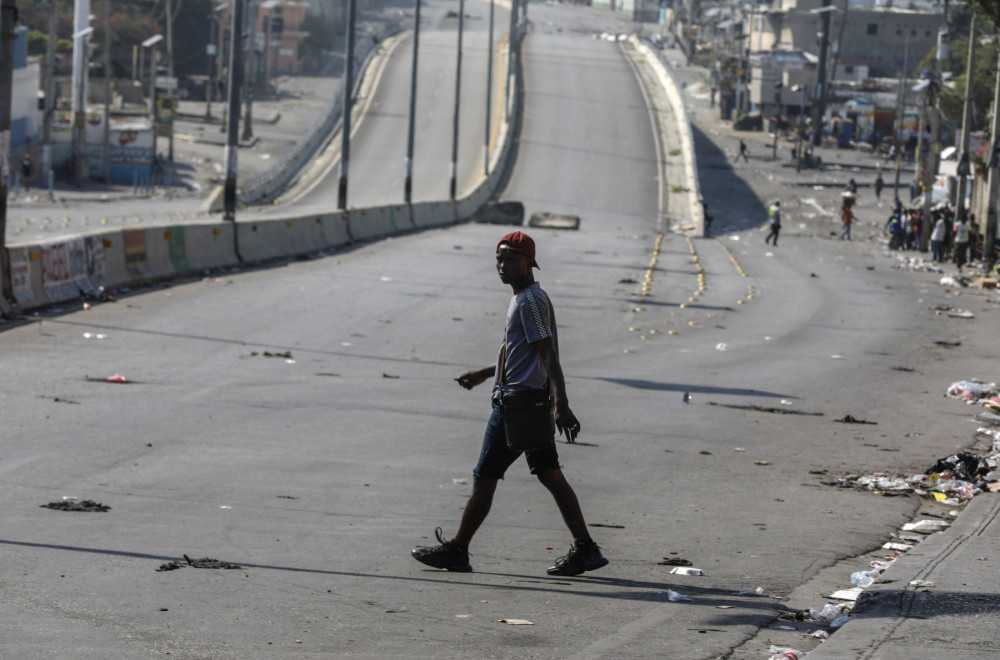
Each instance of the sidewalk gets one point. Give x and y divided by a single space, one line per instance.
942 598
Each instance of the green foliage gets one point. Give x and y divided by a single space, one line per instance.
983 82
38 42
988 8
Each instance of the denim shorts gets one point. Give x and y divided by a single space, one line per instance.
495 457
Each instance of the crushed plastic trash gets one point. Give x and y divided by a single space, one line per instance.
785 653
516 622
822 634
971 390
830 612
921 583
675 597
116 378
721 347
963 465
926 526
686 570
847 594
750 591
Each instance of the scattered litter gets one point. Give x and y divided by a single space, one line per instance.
71 504
204 562
831 613
721 347
268 354
785 653
687 397
971 390
901 547
961 314
783 628
836 356
459 481
921 583
849 419
763 409
684 570
675 597
516 622
926 526
674 561
750 591
821 634
608 525
385 375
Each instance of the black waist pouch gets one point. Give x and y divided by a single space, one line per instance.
527 420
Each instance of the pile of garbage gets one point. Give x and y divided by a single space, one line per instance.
975 391
914 263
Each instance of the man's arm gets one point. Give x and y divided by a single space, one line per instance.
470 379
566 421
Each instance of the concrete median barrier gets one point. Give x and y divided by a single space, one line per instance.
379 221
433 214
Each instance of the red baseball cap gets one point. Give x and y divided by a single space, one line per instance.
520 243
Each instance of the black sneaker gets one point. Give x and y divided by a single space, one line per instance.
449 555
583 556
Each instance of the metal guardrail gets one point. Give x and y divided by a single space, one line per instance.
277 178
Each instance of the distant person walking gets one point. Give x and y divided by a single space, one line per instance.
527 375
774 213
937 239
879 185
742 152
26 171
847 216
961 242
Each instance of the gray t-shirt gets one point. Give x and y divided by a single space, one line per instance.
529 319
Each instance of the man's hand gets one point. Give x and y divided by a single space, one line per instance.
474 377
566 422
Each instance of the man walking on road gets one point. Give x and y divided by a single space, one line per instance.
775 214
743 152
528 361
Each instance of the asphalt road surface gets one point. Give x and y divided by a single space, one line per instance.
301 421
379 145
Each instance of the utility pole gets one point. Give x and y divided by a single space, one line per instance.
50 90
994 183
899 115
348 106
106 142
81 32
458 95
235 80
777 116
933 155
8 21
408 183
819 93
966 120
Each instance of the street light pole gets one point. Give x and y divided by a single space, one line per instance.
345 122
408 183
458 94
489 94
233 111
